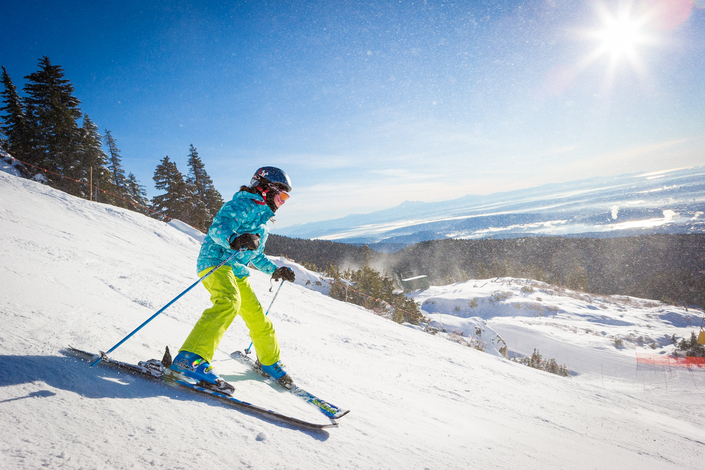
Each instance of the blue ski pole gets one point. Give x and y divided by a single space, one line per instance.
247 351
104 354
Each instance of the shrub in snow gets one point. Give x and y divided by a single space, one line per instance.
499 296
690 348
527 289
374 291
12 166
537 362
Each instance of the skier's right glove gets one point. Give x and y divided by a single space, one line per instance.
285 273
248 241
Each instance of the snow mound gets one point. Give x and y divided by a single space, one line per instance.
188 230
626 322
10 165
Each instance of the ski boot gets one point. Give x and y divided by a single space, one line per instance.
277 372
195 367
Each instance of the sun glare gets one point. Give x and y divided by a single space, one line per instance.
620 39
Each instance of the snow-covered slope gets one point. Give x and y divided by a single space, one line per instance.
588 333
86 274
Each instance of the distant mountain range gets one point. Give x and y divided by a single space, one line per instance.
635 204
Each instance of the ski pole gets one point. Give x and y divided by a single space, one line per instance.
104 354
247 351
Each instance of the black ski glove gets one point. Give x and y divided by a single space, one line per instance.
248 241
285 273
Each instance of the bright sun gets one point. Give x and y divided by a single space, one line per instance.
620 39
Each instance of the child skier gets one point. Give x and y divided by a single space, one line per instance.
241 226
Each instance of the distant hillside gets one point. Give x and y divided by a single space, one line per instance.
659 267
315 253
668 202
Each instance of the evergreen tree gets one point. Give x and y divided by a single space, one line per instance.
482 272
373 291
52 112
536 359
16 127
137 194
176 203
117 173
93 164
577 279
207 200
367 255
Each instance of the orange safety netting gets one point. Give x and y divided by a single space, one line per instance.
671 360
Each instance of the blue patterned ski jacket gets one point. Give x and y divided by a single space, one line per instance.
245 213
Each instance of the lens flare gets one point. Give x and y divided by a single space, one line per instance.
669 14
621 39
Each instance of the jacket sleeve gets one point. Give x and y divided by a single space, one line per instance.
227 222
261 261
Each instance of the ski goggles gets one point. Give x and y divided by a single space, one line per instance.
281 195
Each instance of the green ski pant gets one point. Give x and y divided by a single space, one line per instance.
231 296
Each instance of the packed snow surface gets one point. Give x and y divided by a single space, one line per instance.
84 274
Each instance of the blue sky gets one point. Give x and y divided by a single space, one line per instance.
369 104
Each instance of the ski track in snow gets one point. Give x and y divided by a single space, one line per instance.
86 274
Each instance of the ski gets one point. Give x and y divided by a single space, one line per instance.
328 409
155 370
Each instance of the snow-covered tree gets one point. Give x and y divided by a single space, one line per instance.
176 202
15 126
93 163
137 194
53 113
115 163
207 201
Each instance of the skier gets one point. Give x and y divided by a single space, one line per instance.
241 226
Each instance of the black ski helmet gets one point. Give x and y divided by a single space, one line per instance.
271 175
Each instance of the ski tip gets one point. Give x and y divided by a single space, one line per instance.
340 414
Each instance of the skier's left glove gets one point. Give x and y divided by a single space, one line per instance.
247 241
284 272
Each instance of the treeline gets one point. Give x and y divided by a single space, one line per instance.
319 254
63 148
660 267
670 268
